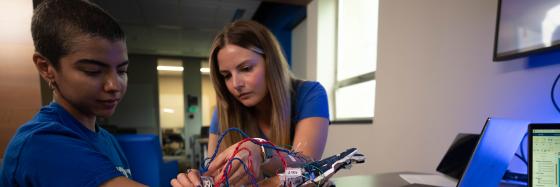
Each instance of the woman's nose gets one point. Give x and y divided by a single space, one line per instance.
112 82
238 82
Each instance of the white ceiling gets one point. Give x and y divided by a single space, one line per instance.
175 27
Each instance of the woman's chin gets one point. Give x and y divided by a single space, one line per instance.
105 113
248 103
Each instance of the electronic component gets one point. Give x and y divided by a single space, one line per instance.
311 172
320 170
207 181
291 177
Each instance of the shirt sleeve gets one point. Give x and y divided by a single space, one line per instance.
214 123
64 160
311 101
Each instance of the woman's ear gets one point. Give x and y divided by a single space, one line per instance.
44 67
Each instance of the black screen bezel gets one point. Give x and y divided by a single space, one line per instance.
532 127
516 54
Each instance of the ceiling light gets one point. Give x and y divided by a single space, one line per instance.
205 70
168 110
169 68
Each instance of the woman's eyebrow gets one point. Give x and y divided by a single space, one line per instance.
99 63
92 62
123 64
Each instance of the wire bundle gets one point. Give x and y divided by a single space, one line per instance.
248 167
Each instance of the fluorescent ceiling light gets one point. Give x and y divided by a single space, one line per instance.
168 110
169 68
205 70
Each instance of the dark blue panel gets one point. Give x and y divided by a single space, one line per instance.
544 59
281 20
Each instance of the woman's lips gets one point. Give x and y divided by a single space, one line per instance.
109 103
244 96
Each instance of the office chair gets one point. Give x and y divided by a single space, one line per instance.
144 155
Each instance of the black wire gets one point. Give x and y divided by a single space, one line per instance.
524 158
552 93
522 150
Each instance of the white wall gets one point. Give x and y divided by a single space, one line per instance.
436 78
311 22
299 46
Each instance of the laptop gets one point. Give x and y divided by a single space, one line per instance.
496 146
544 155
457 157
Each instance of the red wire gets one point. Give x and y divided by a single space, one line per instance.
236 151
250 165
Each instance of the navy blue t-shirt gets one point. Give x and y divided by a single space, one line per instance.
311 101
55 149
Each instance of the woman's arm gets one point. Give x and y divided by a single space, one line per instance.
311 136
121 181
309 141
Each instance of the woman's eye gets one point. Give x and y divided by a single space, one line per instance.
246 68
92 72
227 76
122 72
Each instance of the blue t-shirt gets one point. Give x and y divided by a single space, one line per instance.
55 149
311 101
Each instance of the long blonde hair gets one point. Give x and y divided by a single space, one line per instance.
232 113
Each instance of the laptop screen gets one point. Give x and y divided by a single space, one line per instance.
544 155
457 157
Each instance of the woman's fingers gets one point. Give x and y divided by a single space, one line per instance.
183 179
194 177
240 178
175 183
234 173
234 169
218 162
240 175
189 178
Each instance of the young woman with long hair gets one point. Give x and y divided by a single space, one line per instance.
257 93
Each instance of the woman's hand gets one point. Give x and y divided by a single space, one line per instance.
189 178
245 151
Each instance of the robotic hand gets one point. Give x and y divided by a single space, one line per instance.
317 172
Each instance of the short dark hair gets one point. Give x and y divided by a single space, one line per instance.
56 23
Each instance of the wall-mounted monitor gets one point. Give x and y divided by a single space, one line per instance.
526 27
